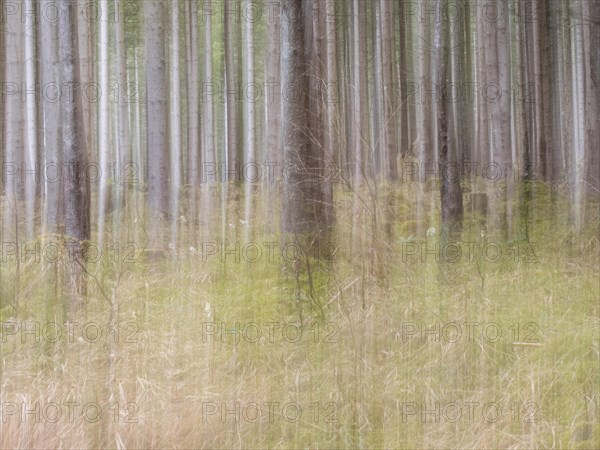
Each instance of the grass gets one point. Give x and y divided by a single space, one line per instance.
366 373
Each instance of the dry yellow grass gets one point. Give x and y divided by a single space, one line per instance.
385 367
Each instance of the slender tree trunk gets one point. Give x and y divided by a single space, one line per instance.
14 124
378 120
104 191
193 132
30 158
77 213
332 158
50 113
451 194
193 173
390 117
273 114
175 118
231 89
123 127
157 110
249 170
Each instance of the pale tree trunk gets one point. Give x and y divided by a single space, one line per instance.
317 65
500 77
30 158
123 127
157 113
14 125
359 80
358 109
400 27
13 139
422 145
556 89
378 121
136 129
86 67
484 53
249 171
230 93
390 118
579 113
209 158
332 158
272 115
175 119
103 120
231 174
497 98
209 152
77 218
193 120
50 113
538 77
193 176
345 81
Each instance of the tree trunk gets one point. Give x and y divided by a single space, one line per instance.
249 171
302 197
451 193
76 185
390 118
175 118
231 99
273 113
50 113
103 120
157 110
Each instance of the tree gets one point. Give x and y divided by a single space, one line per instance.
249 171
30 157
76 185
13 127
175 114
451 193
123 98
103 119
302 204
193 130
157 109
52 157
231 87
389 100
331 138
273 108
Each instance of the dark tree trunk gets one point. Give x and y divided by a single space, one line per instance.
451 193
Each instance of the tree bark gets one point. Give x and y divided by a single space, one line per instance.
76 185
451 193
157 109
302 207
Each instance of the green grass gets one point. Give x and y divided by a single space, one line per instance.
357 377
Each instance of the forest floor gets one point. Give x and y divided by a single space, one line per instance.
387 338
